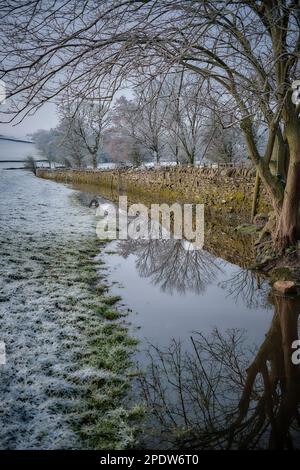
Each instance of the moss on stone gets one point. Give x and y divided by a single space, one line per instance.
246 229
179 184
281 273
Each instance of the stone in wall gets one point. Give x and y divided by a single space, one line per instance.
225 190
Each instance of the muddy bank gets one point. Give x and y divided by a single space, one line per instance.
67 344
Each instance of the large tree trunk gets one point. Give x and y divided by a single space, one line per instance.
281 156
288 313
269 181
288 225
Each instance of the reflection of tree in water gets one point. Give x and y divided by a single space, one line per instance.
249 287
212 398
170 264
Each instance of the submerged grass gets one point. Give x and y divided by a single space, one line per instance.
104 421
110 300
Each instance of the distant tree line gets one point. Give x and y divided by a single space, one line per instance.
165 120
233 63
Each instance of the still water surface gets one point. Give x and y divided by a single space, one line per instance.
197 296
216 347
238 393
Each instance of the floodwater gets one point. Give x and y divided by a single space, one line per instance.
174 292
232 385
215 344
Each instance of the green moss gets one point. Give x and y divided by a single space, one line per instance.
111 314
246 229
203 189
101 419
239 196
282 273
110 300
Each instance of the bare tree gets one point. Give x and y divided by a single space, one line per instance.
184 116
69 146
117 145
47 144
30 164
87 121
191 122
223 143
143 118
248 52
172 122
122 148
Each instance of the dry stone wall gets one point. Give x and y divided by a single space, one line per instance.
225 190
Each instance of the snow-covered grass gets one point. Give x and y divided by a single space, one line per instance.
67 346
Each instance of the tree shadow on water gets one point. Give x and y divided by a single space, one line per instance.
248 286
224 394
172 265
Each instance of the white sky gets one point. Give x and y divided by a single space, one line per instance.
45 118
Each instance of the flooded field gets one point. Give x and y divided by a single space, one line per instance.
174 293
64 376
212 354
214 344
